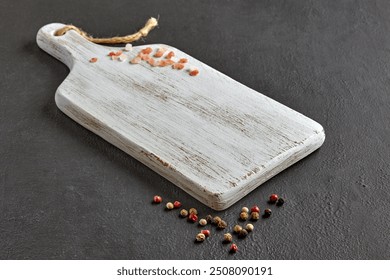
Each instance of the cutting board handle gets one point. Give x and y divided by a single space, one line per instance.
66 48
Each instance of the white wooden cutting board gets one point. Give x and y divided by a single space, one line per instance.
213 137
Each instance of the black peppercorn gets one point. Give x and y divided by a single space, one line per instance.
280 202
209 219
267 213
243 233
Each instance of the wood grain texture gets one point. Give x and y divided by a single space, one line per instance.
210 135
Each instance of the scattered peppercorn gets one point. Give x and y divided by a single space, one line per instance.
216 220
209 219
200 237
233 248
202 222
169 206
177 204
267 213
273 198
249 227
280 202
157 199
227 238
221 224
192 217
255 209
243 233
245 209
206 232
255 216
183 213
193 211
93 59
237 228
244 216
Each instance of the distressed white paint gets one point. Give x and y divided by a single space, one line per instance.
210 135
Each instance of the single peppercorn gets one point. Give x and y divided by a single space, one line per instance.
169 206
255 216
209 219
237 228
249 227
227 238
233 248
157 199
202 222
255 209
216 220
183 213
245 209
206 232
280 202
177 204
222 224
192 217
200 237
193 211
243 233
273 198
267 213
244 216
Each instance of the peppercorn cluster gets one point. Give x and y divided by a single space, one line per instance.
241 232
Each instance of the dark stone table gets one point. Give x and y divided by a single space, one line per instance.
67 194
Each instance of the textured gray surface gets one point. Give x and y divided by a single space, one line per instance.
66 193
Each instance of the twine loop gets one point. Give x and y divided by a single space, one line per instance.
143 32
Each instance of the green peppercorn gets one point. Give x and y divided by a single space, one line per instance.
245 209
227 238
183 213
243 233
244 216
169 206
255 216
237 228
249 227
216 220
202 222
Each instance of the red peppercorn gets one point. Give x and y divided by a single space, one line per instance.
233 248
206 232
177 204
193 217
157 199
273 198
255 209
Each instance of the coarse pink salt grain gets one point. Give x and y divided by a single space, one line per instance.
152 62
160 52
178 66
170 55
135 60
144 56
194 72
147 50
